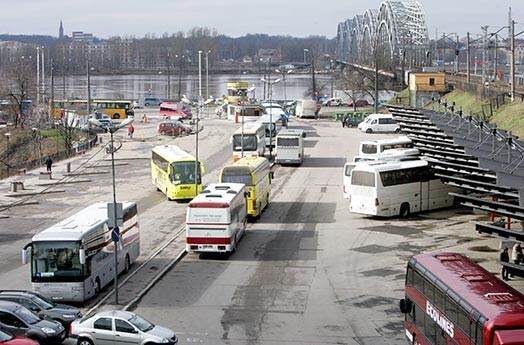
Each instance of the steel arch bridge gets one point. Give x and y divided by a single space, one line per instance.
396 33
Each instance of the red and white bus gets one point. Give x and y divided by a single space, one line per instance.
216 218
451 300
175 111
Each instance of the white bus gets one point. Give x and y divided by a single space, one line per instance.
254 134
216 218
388 189
73 259
306 108
273 124
378 146
290 146
402 154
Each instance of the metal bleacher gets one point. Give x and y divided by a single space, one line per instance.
486 162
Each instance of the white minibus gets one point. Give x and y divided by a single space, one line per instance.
290 146
379 123
306 108
216 218
388 189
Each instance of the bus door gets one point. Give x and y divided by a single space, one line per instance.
424 196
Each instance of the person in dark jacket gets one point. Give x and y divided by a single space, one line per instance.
49 164
504 257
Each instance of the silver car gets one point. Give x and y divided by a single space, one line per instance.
115 327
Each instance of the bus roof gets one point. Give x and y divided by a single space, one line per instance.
247 164
397 140
217 195
79 225
472 284
286 132
378 166
268 118
172 153
250 128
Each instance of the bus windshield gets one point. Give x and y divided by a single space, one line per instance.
237 175
184 173
291 142
250 142
57 261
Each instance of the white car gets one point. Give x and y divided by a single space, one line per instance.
118 327
331 102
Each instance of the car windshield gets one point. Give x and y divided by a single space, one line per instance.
5 336
141 323
42 303
26 315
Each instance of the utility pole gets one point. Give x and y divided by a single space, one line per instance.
484 53
468 58
512 62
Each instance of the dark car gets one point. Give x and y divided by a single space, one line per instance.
173 128
359 103
352 122
7 338
42 306
21 321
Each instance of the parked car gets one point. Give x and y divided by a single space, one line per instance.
333 102
352 121
7 338
42 306
359 103
173 128
113 326
152 101
21 321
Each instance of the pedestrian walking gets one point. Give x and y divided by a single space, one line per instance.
516 253
130 131
504 257
49 164
343 122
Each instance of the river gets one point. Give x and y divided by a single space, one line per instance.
138 86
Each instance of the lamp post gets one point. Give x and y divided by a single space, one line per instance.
7 135
168 76
305 51
207 73
180 61
270 92
284 72
243 100
198 106
115 208
314 90
88 88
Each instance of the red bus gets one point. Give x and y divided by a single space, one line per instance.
175 111
451 300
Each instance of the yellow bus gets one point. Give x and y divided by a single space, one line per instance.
117 109
256 174
173 172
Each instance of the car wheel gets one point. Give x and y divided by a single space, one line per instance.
369 130
397 130
84 341
163 132
146 104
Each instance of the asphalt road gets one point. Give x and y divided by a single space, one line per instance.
306 272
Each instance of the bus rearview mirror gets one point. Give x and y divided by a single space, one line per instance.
82 256
24 256
272 175
405 306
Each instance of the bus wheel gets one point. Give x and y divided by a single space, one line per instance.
404 210
397 130
116 116
97 286
127 264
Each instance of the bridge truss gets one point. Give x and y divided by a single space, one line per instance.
394 34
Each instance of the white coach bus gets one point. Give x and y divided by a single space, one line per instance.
249 140
73 259
382 145
290 146
388 189
216 218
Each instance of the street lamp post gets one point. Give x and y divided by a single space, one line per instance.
270 93
284 72
7 135
314 91
243 100
180 61
115 233
305 51
207 73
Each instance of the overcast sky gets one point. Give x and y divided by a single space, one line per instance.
299 18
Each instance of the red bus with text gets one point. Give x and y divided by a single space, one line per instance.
451 300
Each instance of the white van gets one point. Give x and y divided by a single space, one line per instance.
306 108
379 123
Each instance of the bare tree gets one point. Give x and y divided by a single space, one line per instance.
67 128
20 79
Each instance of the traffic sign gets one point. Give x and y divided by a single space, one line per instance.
115 234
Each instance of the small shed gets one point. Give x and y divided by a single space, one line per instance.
424 86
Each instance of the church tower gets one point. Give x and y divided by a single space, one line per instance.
61 31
